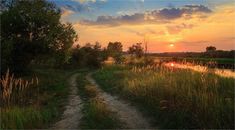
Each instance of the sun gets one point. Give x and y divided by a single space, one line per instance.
172 45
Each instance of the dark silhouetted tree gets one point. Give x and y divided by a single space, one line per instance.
87 56
137 50
210 49
114 49
30 28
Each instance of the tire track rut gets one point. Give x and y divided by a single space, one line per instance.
127 113
72 114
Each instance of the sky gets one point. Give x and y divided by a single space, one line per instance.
166 25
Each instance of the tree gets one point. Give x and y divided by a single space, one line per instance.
66 36
137 50
87 56
114 49
210 49
30 28
97 46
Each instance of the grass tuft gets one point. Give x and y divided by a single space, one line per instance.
97 115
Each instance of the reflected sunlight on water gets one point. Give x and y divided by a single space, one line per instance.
199 68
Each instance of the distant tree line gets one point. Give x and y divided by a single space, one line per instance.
210 52
92 55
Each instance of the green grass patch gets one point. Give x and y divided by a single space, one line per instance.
174 98
42 109
96 113
98 116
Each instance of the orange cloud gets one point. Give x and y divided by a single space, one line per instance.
187 33
66 12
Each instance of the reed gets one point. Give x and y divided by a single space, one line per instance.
15 90
38 103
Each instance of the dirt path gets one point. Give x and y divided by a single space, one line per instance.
72 114
127 114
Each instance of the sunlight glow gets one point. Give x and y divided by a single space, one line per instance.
185 35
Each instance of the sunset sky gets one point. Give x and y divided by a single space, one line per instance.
167 25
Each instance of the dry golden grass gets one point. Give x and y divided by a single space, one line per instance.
91 91
13 89
188 98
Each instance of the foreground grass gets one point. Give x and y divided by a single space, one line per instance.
96 113
43 109
174 98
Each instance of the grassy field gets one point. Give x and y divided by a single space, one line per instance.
96 113
42 105
174 98
171 97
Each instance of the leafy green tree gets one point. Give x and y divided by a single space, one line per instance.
114 49
30 28
137 50
66 36
87 56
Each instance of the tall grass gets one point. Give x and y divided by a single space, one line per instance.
176 98
15 91
30 103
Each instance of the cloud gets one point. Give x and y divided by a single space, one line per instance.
174 29
231 39
89 1
174 13
156 16
66 12
82 5
76 7
145 32
103 0
84 1
115 21
194 42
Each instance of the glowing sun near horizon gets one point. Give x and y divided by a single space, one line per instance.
172 45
